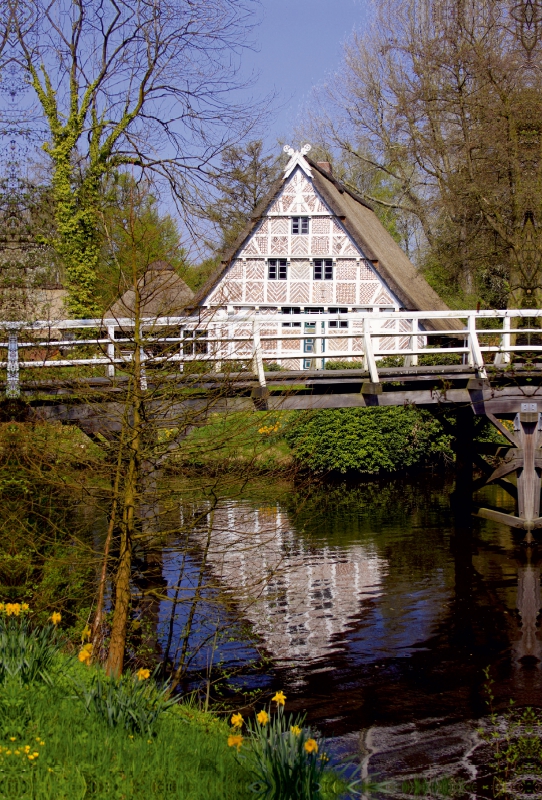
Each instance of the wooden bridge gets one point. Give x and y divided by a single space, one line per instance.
484 363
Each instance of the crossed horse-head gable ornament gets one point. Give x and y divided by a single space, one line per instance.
297 159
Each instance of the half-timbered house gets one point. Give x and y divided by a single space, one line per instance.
313 246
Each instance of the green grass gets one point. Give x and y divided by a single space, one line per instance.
54 747
81 757
228 441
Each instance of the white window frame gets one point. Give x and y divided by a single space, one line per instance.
322 269
276 266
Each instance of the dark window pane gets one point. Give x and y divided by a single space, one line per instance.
188 345
272 273
304 224
201 344
282 271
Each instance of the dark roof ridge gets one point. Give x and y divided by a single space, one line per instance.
342 188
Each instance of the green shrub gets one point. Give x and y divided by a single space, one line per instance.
369 440
344 364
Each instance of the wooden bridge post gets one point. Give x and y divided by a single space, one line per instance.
463 448
526 424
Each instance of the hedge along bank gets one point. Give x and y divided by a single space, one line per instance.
369 440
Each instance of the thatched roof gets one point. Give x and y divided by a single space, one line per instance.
162 292
362 224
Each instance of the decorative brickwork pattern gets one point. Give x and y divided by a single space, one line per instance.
321 225
367 291
291 363
300 270
300 245
320 245
299 292
254 292
383 299
339 245
322 292
291 346
366 272
276 291
279 245
279 225
346 270
345 293
255 270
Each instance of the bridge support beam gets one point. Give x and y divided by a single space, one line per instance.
464 459
525 459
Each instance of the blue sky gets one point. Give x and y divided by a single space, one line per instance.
299 44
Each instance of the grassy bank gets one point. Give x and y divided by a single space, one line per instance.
69 733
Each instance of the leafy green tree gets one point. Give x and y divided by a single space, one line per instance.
124 83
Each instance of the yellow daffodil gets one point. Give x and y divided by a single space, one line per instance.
13 608
263 717
56 616
235 740
311 746
296 730
25 607
143 674
279 698
2 607
85 654
237 720
86 633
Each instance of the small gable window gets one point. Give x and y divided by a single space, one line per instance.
300 225
323 269
277 269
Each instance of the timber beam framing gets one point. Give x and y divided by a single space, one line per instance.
525 459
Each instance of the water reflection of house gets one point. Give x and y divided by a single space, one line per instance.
297 597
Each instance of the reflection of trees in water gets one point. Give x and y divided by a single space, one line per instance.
46 532
297 597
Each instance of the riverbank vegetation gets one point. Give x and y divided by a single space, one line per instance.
70 732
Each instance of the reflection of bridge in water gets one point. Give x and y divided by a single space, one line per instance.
498 377
298 598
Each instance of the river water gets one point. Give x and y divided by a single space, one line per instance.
378 613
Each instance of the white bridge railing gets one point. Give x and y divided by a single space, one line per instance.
250 340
